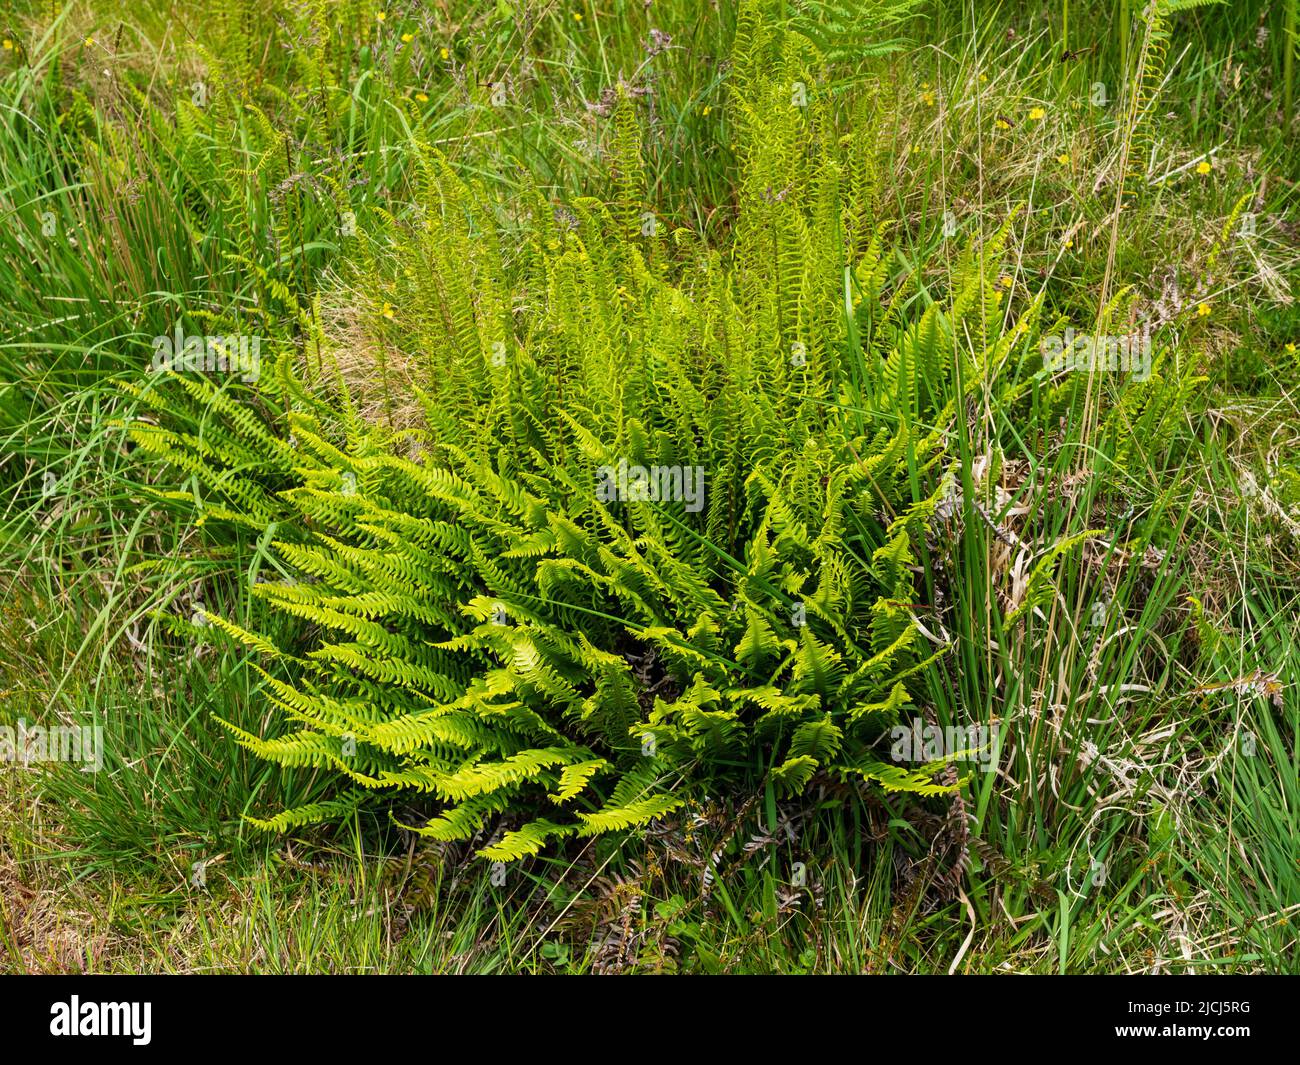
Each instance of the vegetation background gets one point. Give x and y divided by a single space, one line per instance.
1101 570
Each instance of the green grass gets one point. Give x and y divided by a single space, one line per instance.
1145 816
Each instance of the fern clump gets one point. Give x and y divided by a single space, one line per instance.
501 610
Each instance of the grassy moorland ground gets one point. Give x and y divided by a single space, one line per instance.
1109 586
